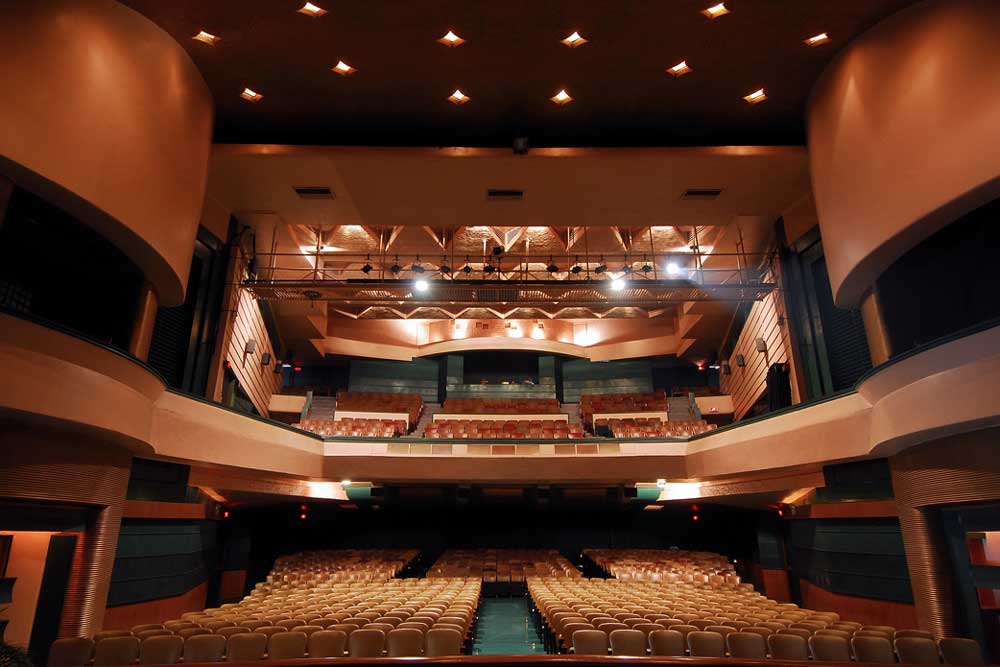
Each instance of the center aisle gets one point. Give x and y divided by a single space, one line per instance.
505 627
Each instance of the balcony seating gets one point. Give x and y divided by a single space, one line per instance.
502 565
492 429
501 406
350 427
597 403
653 427
412 404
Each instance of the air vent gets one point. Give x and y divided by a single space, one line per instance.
497 194
702 193
314 192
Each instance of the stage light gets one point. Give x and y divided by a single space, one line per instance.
466 269
646 268
416 268
366 269
444 269
673 269
421 285
395 268
489 268
601 268
576 269
552 268
618 284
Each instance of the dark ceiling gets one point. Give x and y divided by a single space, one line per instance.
511 64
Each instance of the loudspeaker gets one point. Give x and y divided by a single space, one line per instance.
760 344
740 361
265 359
250 347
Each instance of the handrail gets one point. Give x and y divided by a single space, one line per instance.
695 410
306 406
263 420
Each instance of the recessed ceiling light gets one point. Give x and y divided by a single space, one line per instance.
561 98
817 40
715 11
680 69
451 39
756 97
207 38
574 40
251 95
343 69
309 9
458 97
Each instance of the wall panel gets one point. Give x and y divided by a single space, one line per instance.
581 376
258 381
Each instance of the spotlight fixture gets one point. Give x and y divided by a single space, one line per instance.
627 269
562 97
574 40
309 9
458 98
444 269
646 268
451 39
366 269
552 268
421 285
251 95
497 250
756 97
207 38
416 268
576 269
343 69
673 269
814 41
488 268
601 268
618 284
680 69
466 269
395 268
715 11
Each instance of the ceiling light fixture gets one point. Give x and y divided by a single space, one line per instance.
673 269
680 69
574 40
451 39
756 97
618 284
715 11
343 69
817 40
421 285
309 9
561 98
458 98
207 38
251 95
576 269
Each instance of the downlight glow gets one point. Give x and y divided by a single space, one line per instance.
817 40
251 95
561 98
756 97
715 11
343 69
451 39
421 285
309 9
618 284
207 38
680 69
458 98
574 40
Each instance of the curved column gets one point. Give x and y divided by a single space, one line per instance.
903 136
104 114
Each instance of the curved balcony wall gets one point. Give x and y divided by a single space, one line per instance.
903 138
104 115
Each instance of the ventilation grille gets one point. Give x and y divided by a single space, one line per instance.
314 192
702 193
498 194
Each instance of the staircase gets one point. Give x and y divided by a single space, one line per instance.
426 417
572 410
322 407
679 408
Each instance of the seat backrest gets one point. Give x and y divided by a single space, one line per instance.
666 643
161 650
590 642
913 633
270 630
146 626
365 643
104 634
405 642
872 649
830 647
960 651
287 645
746 645
327 644
787 647
917 650
152 632
706 644
684 630
116 651
246 646
627 642
184 633
204 648
801 632
230 631
70 652
442 641
307 629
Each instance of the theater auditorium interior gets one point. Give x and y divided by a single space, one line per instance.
499 333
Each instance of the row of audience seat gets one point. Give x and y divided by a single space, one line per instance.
653 427
501 406
367 428
591 404
334 565
502 565
701 567
471 428
362 401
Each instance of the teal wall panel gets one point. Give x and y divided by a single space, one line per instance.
582 376
419 376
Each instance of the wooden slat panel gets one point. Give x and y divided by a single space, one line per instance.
259 382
